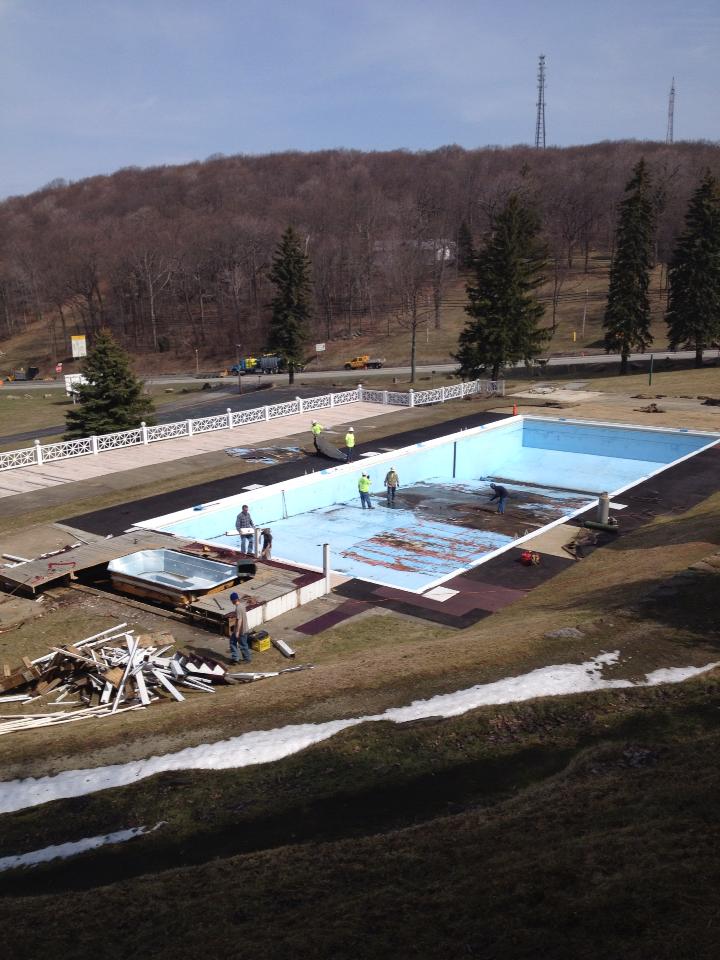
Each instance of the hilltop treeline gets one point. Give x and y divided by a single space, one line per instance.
177 257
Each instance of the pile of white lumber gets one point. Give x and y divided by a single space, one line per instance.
107 673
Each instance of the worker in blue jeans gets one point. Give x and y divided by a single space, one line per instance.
239 632
246 528
500 494
364 491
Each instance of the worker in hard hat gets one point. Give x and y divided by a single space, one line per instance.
349 444
392 482
364 490
316 429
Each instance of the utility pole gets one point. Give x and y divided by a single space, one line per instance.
540 118
671 113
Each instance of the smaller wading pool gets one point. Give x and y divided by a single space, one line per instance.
168 575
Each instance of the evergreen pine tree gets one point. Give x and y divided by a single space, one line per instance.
291 307
627 315
503 309
465 251
112 399
693 315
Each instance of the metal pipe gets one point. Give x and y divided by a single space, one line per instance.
326 566
603 510
612 526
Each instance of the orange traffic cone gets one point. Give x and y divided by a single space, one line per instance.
514 408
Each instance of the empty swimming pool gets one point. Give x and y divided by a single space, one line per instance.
442 522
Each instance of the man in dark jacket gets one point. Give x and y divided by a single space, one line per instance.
500 494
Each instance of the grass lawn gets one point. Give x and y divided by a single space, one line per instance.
585 825
669 383
573 827
25 410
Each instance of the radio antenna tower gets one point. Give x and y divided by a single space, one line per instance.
540 120
671 113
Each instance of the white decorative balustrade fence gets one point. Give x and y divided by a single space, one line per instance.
49 452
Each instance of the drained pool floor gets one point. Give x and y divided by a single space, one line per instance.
436 528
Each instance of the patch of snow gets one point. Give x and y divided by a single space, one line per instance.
62 851
266 746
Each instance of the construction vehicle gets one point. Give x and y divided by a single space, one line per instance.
243 366
23 374
364 362
267 363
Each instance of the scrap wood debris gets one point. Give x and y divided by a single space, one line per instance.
107 673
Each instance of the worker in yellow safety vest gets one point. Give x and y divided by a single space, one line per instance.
364 489
316 431
349 444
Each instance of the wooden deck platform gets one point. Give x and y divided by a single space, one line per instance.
33 575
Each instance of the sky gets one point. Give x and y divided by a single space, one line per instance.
91 86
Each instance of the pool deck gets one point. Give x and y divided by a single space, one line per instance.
40 476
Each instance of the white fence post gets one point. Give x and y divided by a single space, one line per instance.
385 397
442 394
332 399
411 397
266 408
229 416
143 430
93 444
360 389
38 452
189 428
300 404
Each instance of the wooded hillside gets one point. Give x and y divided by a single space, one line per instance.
174 259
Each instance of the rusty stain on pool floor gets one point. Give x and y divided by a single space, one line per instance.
434 529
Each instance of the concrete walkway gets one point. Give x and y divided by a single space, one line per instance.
28 479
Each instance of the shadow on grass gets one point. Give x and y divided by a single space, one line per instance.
243 828
682 602
373 780
694 527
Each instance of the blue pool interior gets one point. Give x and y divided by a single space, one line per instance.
442 522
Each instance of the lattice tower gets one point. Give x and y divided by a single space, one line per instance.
540 119
671 113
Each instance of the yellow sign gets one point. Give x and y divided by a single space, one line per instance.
79 347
